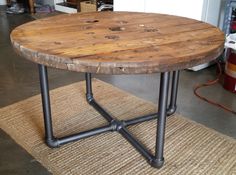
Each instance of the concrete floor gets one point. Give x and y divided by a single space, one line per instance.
19 80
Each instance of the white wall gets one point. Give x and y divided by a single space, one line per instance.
129 5
222 14
186 8
205 10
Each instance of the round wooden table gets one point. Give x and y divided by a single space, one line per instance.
118 43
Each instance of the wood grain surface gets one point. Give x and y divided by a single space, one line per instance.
118 42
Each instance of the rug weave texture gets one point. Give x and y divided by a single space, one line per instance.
190 148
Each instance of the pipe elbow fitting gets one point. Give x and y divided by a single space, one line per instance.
171 110
89 98
157 163
52 143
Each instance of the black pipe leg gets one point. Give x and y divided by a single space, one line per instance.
174 90
51 141
171 107
89 93
158 160
92 101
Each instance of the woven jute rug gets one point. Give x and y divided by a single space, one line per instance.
190 148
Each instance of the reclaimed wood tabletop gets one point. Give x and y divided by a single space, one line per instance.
118 42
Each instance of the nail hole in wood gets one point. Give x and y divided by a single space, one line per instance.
92 21
116 28
150 30
56 42
114 37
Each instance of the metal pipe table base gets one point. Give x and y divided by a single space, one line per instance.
156 160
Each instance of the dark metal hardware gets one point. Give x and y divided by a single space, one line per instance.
156 160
